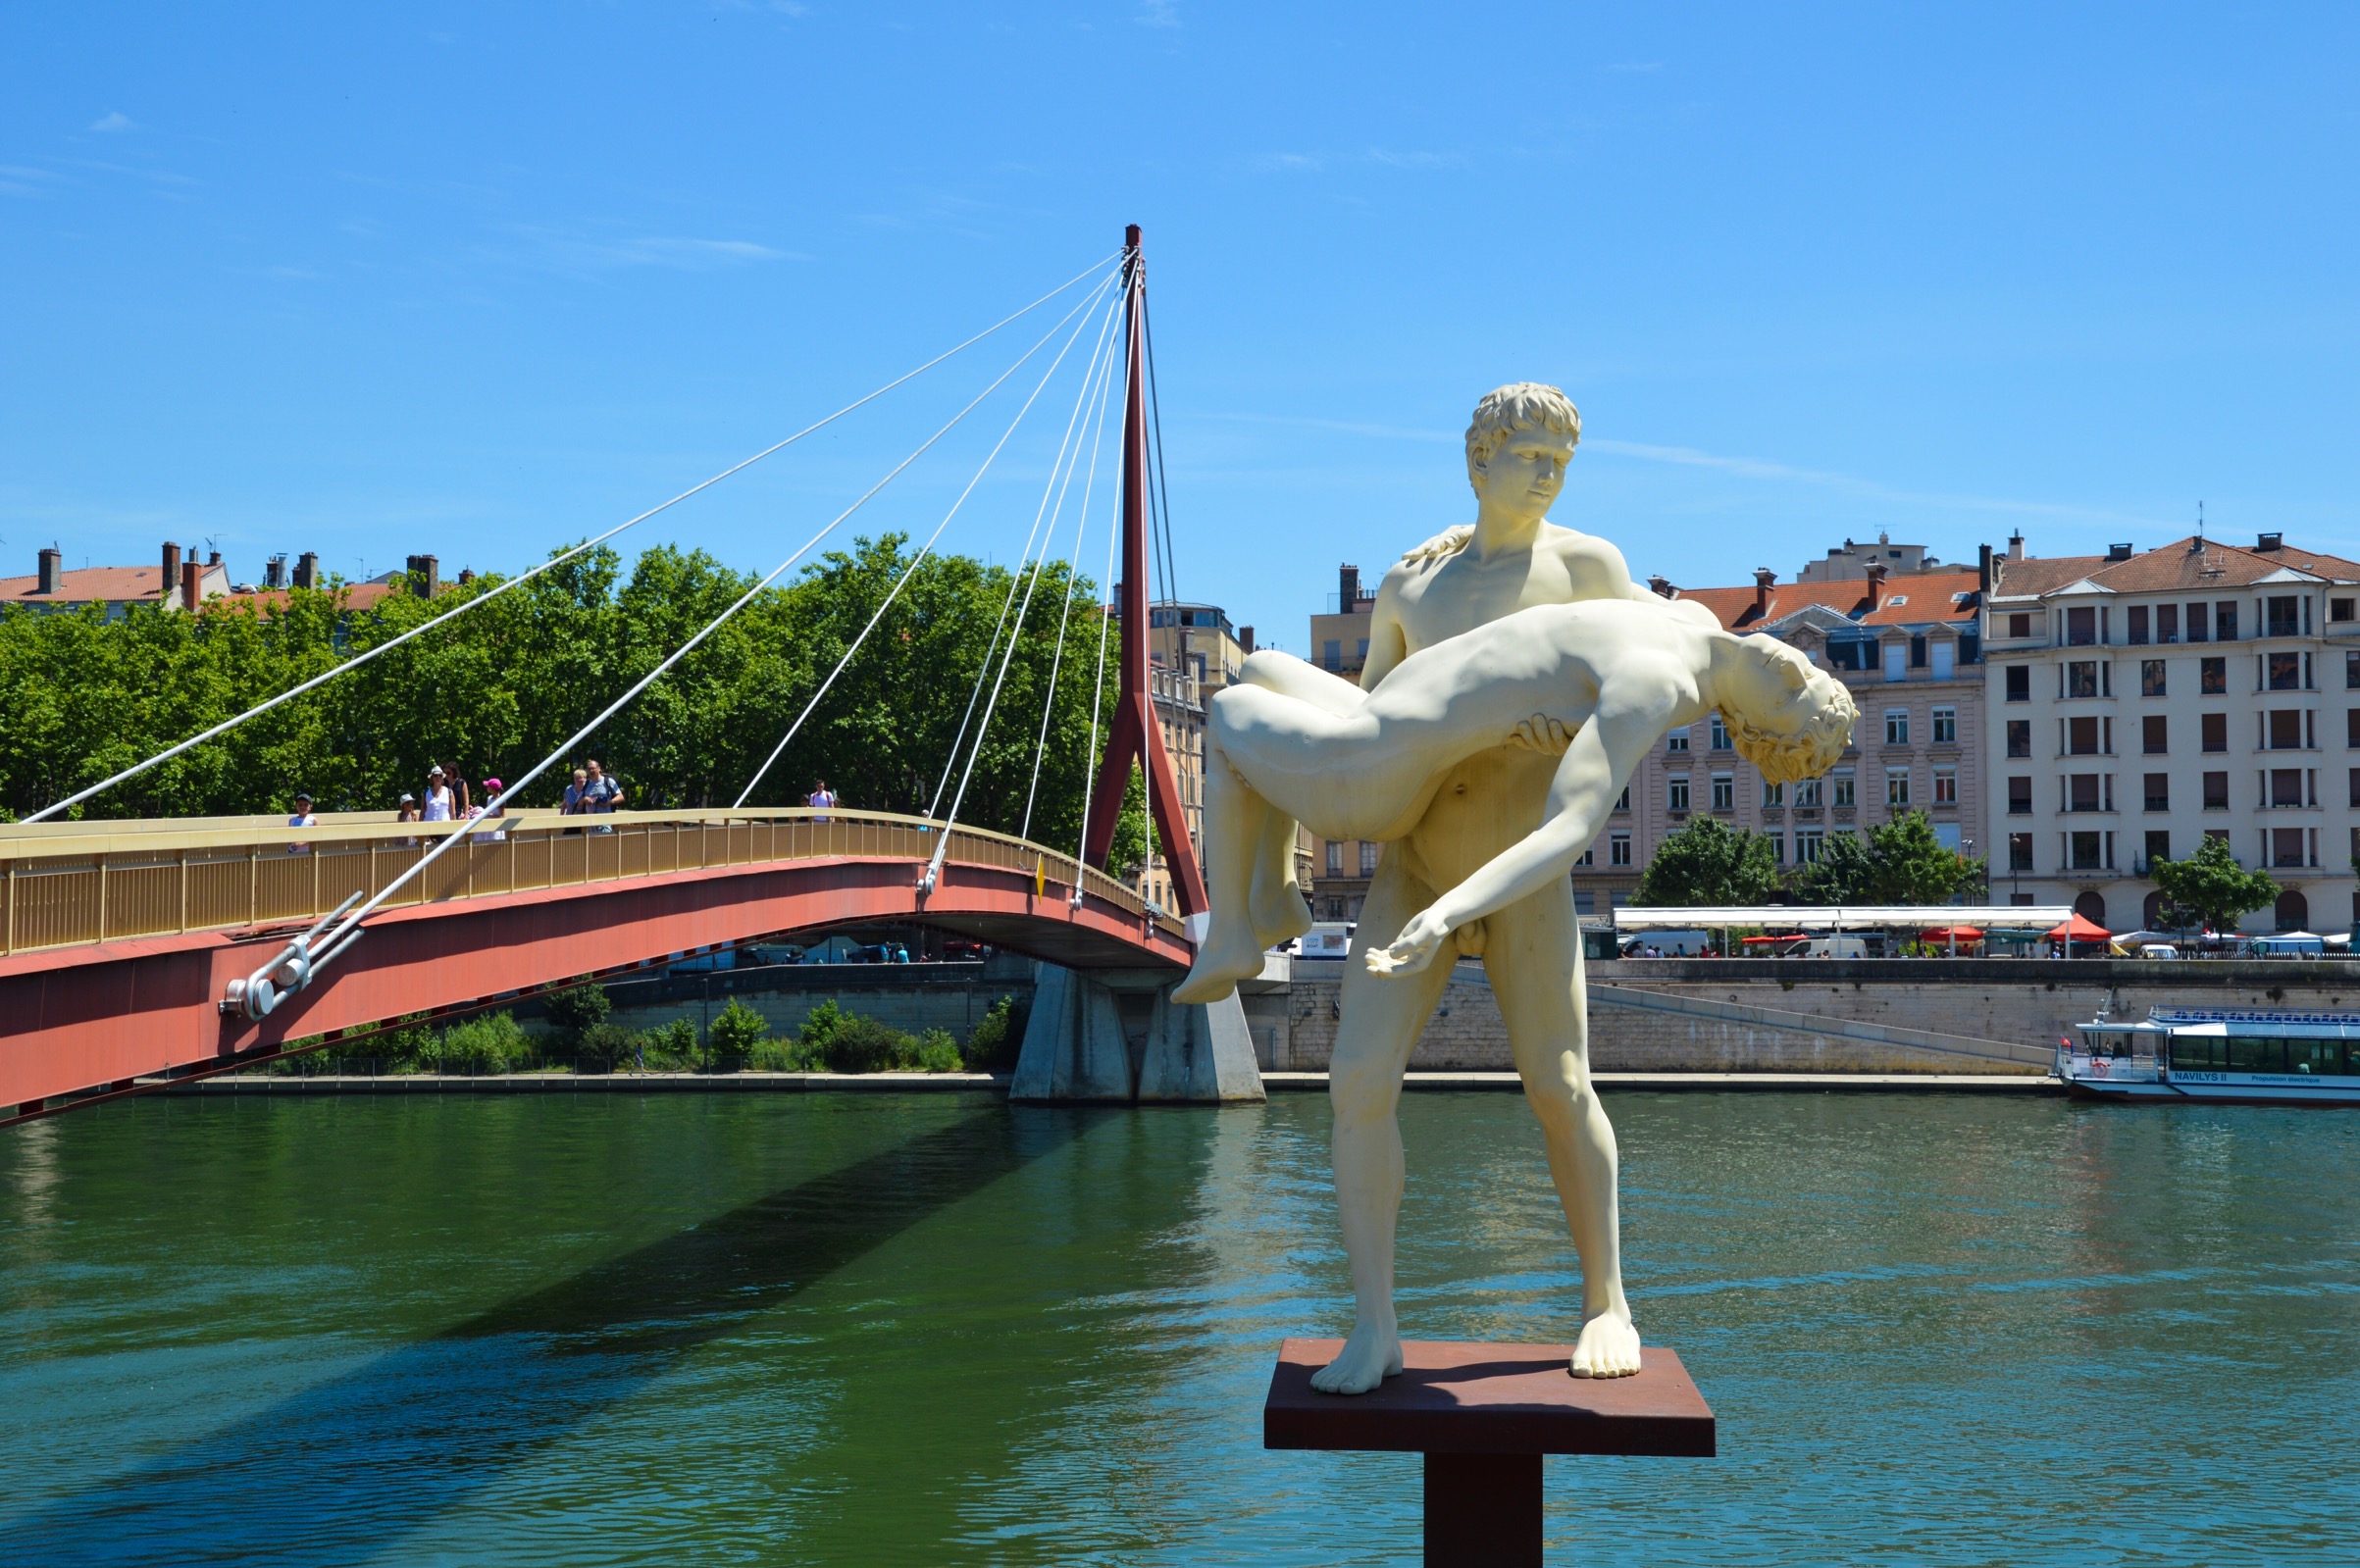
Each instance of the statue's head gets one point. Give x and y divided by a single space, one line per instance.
1786 716
1525 410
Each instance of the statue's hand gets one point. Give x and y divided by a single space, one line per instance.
1413 949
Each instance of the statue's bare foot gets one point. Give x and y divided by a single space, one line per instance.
1219 966
1370 1356
1609 1347
1281 918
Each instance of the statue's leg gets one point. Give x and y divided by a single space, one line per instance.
1280 912
1380 1023
1532 950
1234 816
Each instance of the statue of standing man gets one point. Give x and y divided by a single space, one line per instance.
1512 559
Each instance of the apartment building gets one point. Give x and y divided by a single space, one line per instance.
1908 648
2144 700
1198 639
1341 869
1180 715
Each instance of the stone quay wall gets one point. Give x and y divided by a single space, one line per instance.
913 998
1820 1014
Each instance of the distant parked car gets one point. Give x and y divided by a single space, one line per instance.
2157 950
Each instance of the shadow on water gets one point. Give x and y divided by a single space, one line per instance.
334 1474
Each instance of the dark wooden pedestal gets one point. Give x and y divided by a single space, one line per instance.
1483 1415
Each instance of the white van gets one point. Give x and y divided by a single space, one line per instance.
1327 939
1838 947
2157 950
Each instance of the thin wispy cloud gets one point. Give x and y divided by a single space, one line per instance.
688 253
112 121
1287 163
1159 14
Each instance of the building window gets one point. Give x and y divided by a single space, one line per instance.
2081 626
1675 792
1368 858
2150 678
1945 659
2286 730
1589 856
1896 727
2351 726
1946 727
2285 786
2212 677
2019 797
1806 795
1331 654
2137 619
1622 800
2019 683
1676 742
1774 796
2216 791
2019 737
2082 678
1724 791
2082 792
1721 733
2020 626
2085 850
1946 786
2212 732
2225 621
1777 848
2340 610
2081 738
2020 851
2355 796
1618 849
1843 787
2199 619
2284 672
1807 846
1897 788
1335 858
1896 660
2287 846
2159 791
2279 613
2167 622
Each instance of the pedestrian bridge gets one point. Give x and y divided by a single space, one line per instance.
120 938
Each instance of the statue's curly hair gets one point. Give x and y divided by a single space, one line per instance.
1811 752
1518 406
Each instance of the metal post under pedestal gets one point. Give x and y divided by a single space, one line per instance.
1483 1510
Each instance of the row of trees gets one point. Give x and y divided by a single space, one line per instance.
81 697
1899 862
1902 862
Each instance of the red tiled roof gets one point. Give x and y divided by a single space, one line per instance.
2037 574
2168 568
1923 597
116 584
358 595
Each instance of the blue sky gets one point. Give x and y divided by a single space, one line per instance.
474 281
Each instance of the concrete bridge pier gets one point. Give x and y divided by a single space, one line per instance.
1117 1037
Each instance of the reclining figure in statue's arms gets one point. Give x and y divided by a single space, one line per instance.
1602 680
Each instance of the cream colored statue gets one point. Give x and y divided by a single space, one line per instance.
1516 678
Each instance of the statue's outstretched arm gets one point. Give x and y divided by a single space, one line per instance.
1605 754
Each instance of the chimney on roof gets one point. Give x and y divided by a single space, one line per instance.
1245 637
274 572
51 569
212 558
1348 588
1764 576
467 574
172 569
1662 585
2270 541
307 570
192 583
2015 545
1982 569
2119 552
425 576
1877 572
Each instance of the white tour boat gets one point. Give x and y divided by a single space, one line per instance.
2254 1058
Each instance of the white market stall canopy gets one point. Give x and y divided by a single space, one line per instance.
1848 917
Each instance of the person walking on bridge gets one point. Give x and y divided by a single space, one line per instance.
821 798
302 818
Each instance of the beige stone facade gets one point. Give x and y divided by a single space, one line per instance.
2143 700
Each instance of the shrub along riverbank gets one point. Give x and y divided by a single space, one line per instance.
580 1038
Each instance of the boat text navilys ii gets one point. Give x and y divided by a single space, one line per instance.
2253 1058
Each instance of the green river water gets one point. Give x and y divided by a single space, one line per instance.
602 1328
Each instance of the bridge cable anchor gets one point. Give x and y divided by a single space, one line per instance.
293 969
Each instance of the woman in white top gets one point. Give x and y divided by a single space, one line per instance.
437 795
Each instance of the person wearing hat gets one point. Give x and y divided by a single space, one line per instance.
438 797
302 818
497 808
408 812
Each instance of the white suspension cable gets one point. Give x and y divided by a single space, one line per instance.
917 560
258 993
1102 353
388 646
934 866
1073 565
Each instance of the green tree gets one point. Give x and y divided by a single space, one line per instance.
1899 862
734 1034
576 1010
1707 862
2211 886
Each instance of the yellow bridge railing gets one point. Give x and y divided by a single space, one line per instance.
78 884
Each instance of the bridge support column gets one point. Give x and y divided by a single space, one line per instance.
1200 1052
1074 1046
